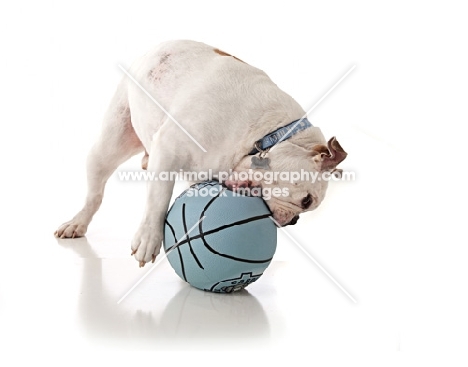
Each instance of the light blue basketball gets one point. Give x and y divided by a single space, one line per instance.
227 250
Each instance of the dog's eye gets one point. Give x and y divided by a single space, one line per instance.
307 201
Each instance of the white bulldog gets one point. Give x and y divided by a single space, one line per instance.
207 110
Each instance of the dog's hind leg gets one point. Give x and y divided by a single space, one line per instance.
117 143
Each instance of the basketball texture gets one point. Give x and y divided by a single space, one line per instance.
231 238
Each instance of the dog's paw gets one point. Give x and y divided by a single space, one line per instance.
146 244
71 229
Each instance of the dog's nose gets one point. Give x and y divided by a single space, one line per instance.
293 221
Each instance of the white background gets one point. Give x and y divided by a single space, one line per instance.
395 238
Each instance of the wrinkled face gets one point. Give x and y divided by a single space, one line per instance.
295 181
296 197
286 198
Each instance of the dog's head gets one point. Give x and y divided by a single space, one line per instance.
296 180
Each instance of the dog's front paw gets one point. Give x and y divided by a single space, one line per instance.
71 229
146 244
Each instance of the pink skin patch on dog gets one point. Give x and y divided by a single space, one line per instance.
155 74
238 184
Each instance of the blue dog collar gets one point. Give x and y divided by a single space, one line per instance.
280 134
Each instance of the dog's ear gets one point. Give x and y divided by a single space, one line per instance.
328 157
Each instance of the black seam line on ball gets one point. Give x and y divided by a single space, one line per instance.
213 287
203 234
188 238
178 250
173 233
231 225
199 224
211 231
182 264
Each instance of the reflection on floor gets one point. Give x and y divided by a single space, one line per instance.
163 310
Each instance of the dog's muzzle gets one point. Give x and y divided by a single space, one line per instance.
293 221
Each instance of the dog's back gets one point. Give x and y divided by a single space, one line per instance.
198 82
